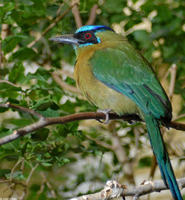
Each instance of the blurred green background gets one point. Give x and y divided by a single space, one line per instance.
64 161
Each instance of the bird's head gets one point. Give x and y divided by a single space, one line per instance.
84 36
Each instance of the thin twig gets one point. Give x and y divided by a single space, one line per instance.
166 74
66 73
64 85
57 19
61 83
23 131
179 117
92 15
173 71
4 31
77 16
8 82
23 109
49 185
31 173
41 187
101 143
59 9
121 154
153 167
14 167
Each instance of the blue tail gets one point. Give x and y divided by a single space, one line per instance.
161 154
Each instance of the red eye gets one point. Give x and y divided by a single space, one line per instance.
88 36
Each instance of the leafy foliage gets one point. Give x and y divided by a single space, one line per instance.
68 155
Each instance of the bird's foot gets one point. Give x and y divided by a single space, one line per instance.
106 112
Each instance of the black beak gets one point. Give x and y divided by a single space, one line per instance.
67 39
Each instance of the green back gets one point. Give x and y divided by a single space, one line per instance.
126 71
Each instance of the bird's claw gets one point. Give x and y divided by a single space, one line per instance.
106 112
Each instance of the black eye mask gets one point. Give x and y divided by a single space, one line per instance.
86 37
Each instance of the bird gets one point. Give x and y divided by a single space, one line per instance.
115 77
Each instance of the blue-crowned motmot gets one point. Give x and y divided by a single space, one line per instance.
114 76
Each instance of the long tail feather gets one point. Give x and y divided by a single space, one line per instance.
161 154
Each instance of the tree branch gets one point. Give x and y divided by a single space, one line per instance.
76 15
42 122
113 189
92 15
177 126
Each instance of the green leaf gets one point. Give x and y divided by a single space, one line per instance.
33 191
40 135
16 75
45 103
10 42
41 75
143 38
114 6
46 164
24 53
18 175
50 113
65 129
6 9
18 122
8 90
4 172
62 161
164 13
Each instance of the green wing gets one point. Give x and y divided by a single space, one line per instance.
127 72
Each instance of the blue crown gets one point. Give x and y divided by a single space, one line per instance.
93 28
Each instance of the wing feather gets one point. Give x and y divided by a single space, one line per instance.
125 71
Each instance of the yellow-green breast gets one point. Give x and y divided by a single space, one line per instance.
95 91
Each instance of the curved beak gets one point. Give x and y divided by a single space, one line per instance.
67 39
